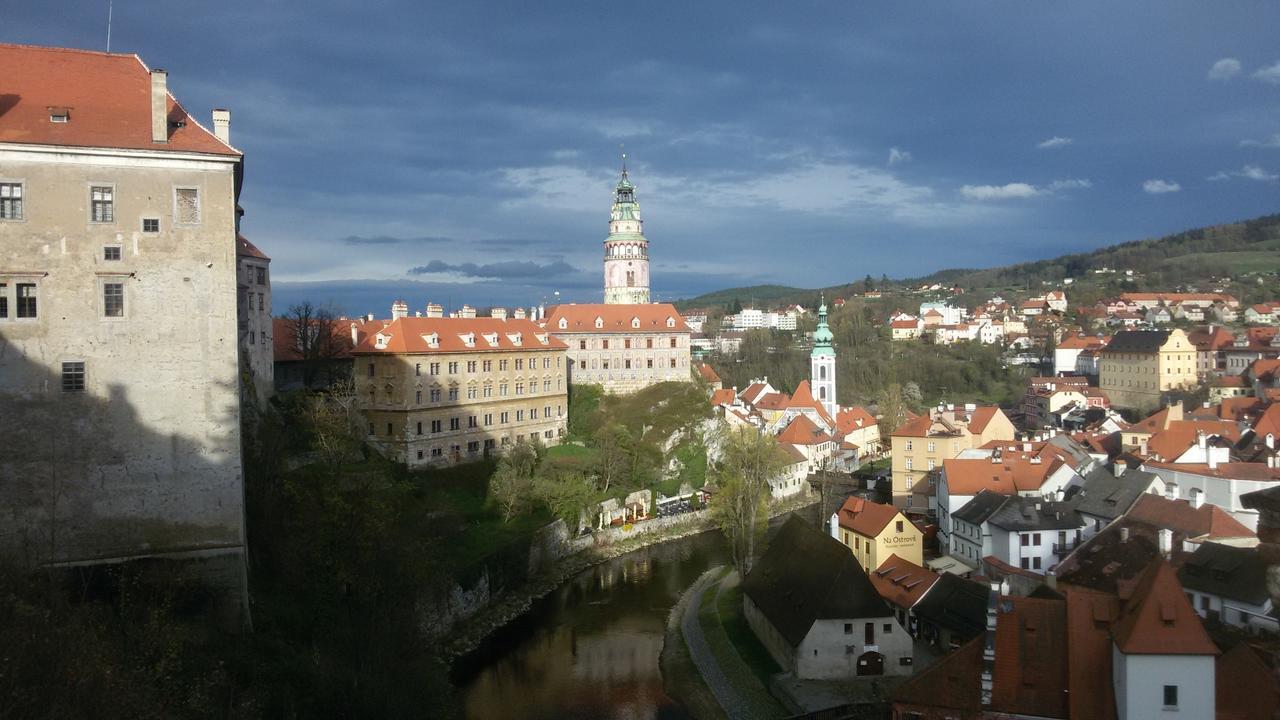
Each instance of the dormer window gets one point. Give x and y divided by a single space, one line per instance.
542 338
380 341
599 322
635 322
432 340
492 339
468 339
516 339
671 322
563 323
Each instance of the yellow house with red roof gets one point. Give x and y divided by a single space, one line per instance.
873 532
920 445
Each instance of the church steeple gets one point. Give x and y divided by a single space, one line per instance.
822 363
626 251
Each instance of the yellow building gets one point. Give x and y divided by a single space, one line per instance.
873 532
439 391
921 444
1139 366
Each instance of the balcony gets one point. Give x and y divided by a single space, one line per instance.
1063 549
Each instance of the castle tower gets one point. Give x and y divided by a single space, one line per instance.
822 364
626 251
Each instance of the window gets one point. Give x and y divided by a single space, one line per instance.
437 452
930 447
435 368
502 389
673 362
261 303
455 423
533 413
471 366
419 431
488 365
488 419
102 204
113 299
417 370
417 397
453 393
673 344
604 344
435 395
472 392
502 365
650 363
1026 540
150 225
4 301
473 446
370 369
869 633
453 368
471 421
389 430
519 388
848 628
436 426
186 211
1035 563
26 300
73 377
10 201
1171 696
504 418
899 526
519 416
111 252
909 463
648 343
887 629
582 344
419 453
519 364
1026 563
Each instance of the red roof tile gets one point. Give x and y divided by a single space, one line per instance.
1206 521
803 399
1090 691
1030 674
865 517
802 431
722 396
108 98
852 419
656 317
1157 618
411 335
902 582
981 417
248 249
1245 688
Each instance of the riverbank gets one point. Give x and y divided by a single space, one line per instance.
471 633
681 678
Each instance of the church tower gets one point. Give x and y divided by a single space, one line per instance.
626 251
822 364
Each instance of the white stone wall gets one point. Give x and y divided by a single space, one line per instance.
145 460
1140 679
602 358
832 648
255 323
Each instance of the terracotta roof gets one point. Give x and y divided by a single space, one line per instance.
1169 444
1159 420
1176 297
1090 690
749 393
456 335
852 419
1157 618
1264 369
722 396
902 582
284 338
248 249
1030 674
803 399
953 683
1211 338
802 431
1006 477
1081 342
708 373
865 517
1232 471
656 317
981 417
1209 521
904 324
107 96
773 401
1244 687
1269 423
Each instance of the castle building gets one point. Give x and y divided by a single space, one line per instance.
118 315
253 268
822 364
626 251
446 390
622 348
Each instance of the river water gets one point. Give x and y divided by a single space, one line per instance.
590 649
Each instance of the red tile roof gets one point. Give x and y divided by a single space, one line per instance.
1169 444
803 400
708 374
1157 618
866 518
902 582
1090 691
952 683
1269 423
773 401
248 249
802 431
108 98
1231 471
1264 369
852 419
1030 674
1206 521
722 396
285 340
1245 688
1008 476
981 417
1081 342
410 335
656 317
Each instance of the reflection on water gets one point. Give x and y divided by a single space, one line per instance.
590 649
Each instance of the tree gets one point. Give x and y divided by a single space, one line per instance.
911 396
314 333
749 461
893 411
735 307
868 284
512 483
613 445
565 495
337 427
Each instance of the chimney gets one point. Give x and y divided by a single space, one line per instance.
1051 579
467 312
517 314
159 106
355 335
1197 498
435 310
222 124
989 643
399 309
1166 542
369 317
1202 440
1142 446
542 311
1271 441
1213 460
498 313
835 525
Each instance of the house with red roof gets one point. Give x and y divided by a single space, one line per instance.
873 531
1139 652
121 292
920 445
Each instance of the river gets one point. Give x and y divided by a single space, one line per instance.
590 649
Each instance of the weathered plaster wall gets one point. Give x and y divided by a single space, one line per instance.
146 460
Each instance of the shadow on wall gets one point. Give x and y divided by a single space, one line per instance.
88 477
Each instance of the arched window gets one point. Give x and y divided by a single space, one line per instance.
822 372
822 393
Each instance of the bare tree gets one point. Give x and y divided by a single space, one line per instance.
315 334
337 426
750 460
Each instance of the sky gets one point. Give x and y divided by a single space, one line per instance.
466 152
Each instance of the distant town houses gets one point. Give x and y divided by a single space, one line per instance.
1138 367
922 444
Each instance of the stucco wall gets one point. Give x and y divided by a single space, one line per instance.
828 652
146 459
1140 681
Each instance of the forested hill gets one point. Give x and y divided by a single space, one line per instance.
1190 257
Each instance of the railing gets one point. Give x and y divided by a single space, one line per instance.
1065 548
